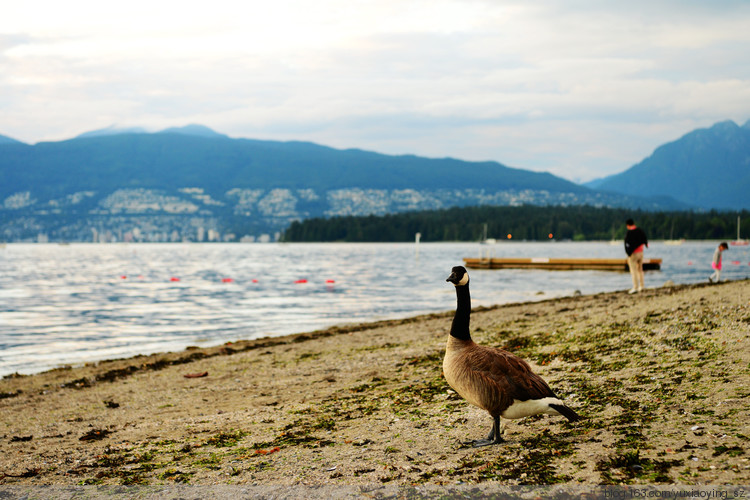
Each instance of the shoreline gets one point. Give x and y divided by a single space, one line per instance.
661 376
247 344
99 316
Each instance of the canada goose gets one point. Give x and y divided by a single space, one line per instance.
490 378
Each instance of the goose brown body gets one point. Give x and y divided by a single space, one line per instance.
493 379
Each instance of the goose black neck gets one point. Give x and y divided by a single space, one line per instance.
460 325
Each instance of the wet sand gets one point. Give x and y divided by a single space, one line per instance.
662 378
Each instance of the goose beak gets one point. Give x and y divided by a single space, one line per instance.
452 278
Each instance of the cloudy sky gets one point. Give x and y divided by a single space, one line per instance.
579 88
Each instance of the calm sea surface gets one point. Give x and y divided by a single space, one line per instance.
70 304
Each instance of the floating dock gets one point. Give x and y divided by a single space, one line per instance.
558 264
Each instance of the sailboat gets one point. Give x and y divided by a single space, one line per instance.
738 241
671 240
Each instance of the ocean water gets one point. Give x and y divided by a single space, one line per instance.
77 303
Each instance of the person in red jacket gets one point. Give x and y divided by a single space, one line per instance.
635 243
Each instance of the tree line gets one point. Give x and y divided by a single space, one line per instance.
534 223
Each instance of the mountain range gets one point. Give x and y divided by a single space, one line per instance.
191 183
196 156
706 168
4 139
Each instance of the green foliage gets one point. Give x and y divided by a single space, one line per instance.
527 222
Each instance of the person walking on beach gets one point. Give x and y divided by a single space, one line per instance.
635 243
716 263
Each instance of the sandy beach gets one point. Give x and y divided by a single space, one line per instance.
662 379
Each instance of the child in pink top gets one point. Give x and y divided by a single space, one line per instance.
716 262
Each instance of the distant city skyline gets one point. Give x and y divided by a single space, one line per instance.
579 89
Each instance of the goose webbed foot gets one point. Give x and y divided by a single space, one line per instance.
495 436
478 443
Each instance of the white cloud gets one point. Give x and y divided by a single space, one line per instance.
582 89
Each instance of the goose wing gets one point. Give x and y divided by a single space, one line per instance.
510 374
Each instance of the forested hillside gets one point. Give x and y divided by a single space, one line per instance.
707 168
522 223
194 184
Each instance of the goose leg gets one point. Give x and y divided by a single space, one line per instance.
495 436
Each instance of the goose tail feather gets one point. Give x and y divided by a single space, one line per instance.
566 412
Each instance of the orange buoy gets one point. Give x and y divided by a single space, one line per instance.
254 280
227 280
330 281
123 277
174 279
299 282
